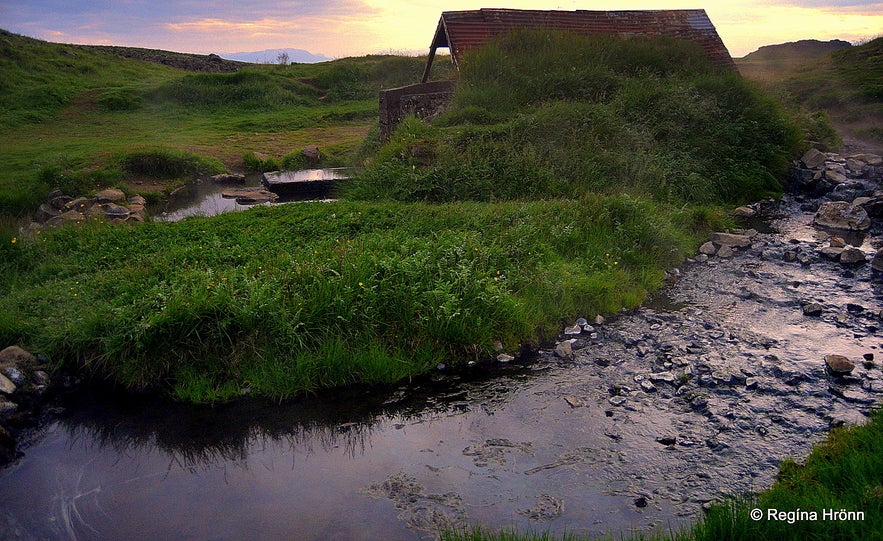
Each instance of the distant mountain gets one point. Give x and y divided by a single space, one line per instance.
773 61
273 56
803 51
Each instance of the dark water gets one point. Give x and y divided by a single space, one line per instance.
204 198
686 400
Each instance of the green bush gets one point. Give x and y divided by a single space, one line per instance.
119 99
164 163
260 163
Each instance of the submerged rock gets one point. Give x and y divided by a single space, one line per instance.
812 309
250 196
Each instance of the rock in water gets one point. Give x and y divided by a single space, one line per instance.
877 262
813 158
852 256
839 365
842 215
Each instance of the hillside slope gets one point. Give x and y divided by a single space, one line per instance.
846 84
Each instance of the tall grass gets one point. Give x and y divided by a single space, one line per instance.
546 115
289 299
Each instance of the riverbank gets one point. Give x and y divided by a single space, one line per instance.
723 369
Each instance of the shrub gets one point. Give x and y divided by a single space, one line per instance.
166 163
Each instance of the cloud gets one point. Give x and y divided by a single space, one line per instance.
873 8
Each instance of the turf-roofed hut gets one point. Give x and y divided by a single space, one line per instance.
461 31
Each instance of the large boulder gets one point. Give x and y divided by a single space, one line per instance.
813 158
842 215
110 195
730 239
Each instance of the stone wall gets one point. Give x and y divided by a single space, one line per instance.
425 101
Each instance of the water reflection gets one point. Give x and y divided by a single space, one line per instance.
202 436
204 197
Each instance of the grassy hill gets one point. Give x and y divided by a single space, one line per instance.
71 115
568 174
846 83
770 61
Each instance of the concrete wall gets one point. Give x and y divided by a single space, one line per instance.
424 100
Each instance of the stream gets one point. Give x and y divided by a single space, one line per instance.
697 395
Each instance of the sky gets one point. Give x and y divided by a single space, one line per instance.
338 28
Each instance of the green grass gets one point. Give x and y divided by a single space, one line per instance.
586 115
76 110
291 299
845 84
597 168
566 176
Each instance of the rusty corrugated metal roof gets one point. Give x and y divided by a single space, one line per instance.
463 30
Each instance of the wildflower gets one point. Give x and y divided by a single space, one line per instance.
14 240
360 284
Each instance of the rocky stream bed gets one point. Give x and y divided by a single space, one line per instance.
636 422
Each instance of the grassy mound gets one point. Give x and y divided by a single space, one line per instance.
547 115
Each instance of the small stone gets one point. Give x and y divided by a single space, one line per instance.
699 403
137 200
249 196
7 408
573 330
744 212
14 374
837 242
701 258
648 386
838 365
40 378
831 253
731 240
14 355
751 383
599 320
812 309
6 386
854 308
852 256
574 402
842 215
725 251
877 262
667 440
813 158
617 400
225 178
110 195
564 350
505 358
708 248
640 501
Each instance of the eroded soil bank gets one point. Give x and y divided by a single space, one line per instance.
697 395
